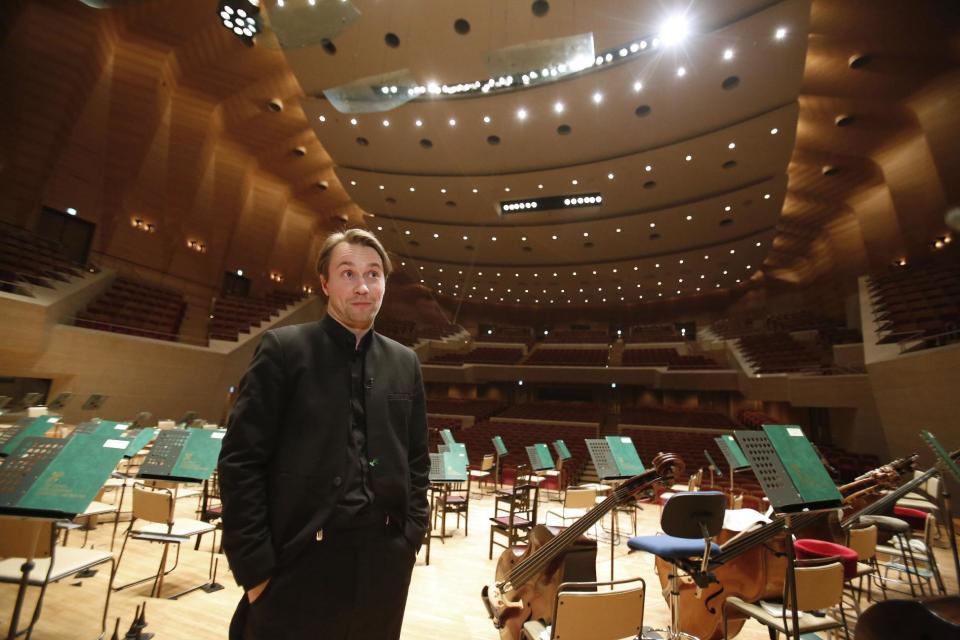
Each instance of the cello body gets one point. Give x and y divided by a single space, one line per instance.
920 619
534 600
756 574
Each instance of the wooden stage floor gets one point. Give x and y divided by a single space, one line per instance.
444 600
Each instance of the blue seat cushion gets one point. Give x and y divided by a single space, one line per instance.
670 548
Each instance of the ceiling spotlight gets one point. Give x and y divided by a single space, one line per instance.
558 107
521 114
688 157
452 122
732 145
681 71
638 86
728 54
241 17
766 196
609 176
648 168
597 97
780 33
386 123
774 131
322 118
419 123
674 30
486 119
574 181
353 121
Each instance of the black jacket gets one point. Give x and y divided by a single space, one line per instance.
283 457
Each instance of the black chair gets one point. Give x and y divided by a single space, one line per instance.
690 521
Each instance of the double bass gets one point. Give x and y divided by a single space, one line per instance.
752 565
527 577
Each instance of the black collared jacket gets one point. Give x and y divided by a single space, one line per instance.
283 459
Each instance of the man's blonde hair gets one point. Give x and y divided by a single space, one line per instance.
351 236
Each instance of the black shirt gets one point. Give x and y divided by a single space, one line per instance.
357 497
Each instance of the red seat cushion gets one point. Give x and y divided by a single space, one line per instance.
808 548
915 518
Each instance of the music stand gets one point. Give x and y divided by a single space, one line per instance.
183 455
53 479
614 458
447 436
94 402
733 454
60 401
945 464
563 454
11 437
712 466
447 467
795 481
501 451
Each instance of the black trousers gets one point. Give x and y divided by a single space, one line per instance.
352 585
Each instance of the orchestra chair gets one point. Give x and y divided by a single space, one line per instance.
578 501
863 540
515 514
453 497
482 475
896 532
925 499
819 584
689 521
155 507
33 558
582 611
925 565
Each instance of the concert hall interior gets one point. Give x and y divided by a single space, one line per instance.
645 252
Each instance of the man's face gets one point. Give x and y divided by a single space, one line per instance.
355 285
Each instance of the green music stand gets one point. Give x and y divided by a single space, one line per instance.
183 455
501 450
736 461
11 438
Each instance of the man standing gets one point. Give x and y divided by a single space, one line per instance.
324 468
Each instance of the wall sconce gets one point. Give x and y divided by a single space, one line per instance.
197 246
941 242
147 227
276 277
306 289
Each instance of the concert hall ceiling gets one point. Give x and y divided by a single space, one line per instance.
593 152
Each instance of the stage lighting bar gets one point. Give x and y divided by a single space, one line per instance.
552 203
242 17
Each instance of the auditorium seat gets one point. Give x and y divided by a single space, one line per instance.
136 308
559 356
233 315
481 355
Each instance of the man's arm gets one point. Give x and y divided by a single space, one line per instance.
248 447
418 511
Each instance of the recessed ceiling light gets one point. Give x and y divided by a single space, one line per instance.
523 238
638 86
586 234
688 158
466 237
618 229
728 54
780 33
453 122
539 186
353 183
437 235
386 123
689 218
774 131
353 121
759 243
574 181
558 107
493 238
727 208
486 119
554 237
597 97
648 168
406 232
681 71
475 190
521 114
412 189
733 250
653 225
419 123
443 190
732 145
766 196
379 228
322 118
609 176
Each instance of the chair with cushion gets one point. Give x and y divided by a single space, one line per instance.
155 507
584 612
453 498
819 587
482 475
690 521
896 532
576 503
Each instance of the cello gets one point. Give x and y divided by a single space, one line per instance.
752 564
527 577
